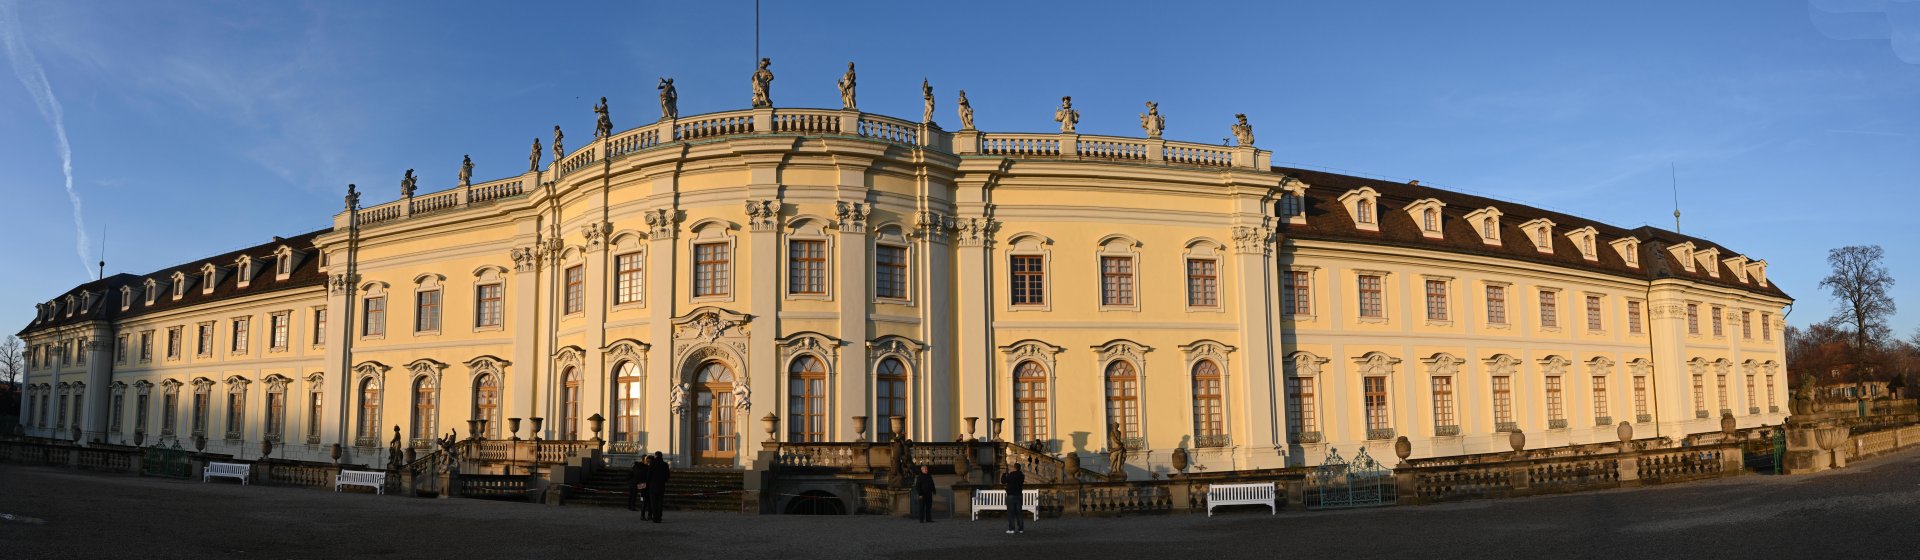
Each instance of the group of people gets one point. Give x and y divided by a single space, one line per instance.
647 485
1013 480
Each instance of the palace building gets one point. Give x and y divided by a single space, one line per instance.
701 284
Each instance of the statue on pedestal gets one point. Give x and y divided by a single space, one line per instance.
926 101
559 151
466 170
393 451
602 122
408 184
533 159
966 112
1242 131
1066 115
846 90
669 100
763 85
1116 454
1151 121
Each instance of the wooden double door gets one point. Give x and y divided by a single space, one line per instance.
715 432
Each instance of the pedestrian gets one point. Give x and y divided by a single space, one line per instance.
636 478
657 475
923 488
1015 483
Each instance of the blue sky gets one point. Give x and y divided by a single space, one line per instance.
198 128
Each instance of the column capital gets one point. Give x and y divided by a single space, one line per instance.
1253 239
596 234
852 216
933 226
764 215
976 232
662 223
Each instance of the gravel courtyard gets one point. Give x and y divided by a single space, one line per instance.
1866 511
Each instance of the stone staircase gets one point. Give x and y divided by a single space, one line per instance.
703 489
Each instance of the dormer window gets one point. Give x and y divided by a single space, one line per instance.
208 277
126 297
1629 249
1427 212
282 263
1738 264
1583 238
1710 258
151 289
179 285
69 306
1541 232
245 267
1683 252
1360 203
1758 269
1488 221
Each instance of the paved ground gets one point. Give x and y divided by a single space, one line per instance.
1870 510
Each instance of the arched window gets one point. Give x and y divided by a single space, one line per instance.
1029 402
1209 418
486 404
369 432
424 408
202 405
570 405
1486 228
890 397
1123 399
1430 220
713 422
806 400
626 406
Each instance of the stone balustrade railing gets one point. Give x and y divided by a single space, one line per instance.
831 455
1551 471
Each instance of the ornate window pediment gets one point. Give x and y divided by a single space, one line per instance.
1376 364
825 347
1599 366
1305 364
1502 365
1554 366
1123 349
1443 364
628 350
486 364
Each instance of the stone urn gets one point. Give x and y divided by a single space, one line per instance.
1727 423
971 420
899 425
773 424
1402 448
473 428
1073 467
1625 431
860 428
598 423
1829 437
1180 459
336 453
266 448
534 432
200 443
996 428
513 427
139 438
1517 439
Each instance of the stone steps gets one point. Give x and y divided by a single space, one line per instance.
688 489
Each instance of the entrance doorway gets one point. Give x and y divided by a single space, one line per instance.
715 439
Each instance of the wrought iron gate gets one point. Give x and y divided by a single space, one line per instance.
165 461
1767 454
1337 483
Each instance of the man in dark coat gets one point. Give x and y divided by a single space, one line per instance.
1015 483
634 477
657 475
923 489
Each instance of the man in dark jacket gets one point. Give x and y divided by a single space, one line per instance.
635 478
923 489
1015 483
657 475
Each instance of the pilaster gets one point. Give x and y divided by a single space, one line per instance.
1252 259
854 299
524 321
936 301
659 426
93 422
763 301
596 381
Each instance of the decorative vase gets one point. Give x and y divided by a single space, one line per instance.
513 427
473 429
1402 447
860 428
336 453
899 425
1073 467
1727 423
1180 459
773 424
266 448
970 422
996 428
1517 439
200 443
535 431
597 422
1625 431
139 439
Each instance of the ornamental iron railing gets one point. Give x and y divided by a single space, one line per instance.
166 461
1337 483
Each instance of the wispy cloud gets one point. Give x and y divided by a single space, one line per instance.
28 70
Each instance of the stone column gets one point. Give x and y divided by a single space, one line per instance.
937 374
1671 383
340 333
662 370
596 382
1252 264
973 316
524 322
852 295
99 397
763 256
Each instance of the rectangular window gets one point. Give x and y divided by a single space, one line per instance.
1029 280
1700 394
1289 205
1746 324
276 415
487 305
314 416
1378 424
1753 399
173 341
1549 310
1633 317
241 332
628 279
1600 396
1496 305
1693 319
1640 397
374 319
426 311
575 297
1720 390
205 347
1717 333
1503 403
1443 403
1298 299
319 326
1436 300
1365 211
1300 402
170 414
1766 327
1556 404
236 415
806 267
141 406
890 271
1770 402
1371 305
1203 283
710 270
146 346
278 325
202 402
1593 313
1116 281
120 349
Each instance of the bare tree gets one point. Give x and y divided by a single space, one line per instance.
13 361
1859 283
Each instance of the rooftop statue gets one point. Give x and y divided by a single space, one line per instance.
559 151
926 101
763 85
466 170
408 184
966 112
533 159
1152 121
669 100
353 196
603 123
1242 131
1066 115
846 89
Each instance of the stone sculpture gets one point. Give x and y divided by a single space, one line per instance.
966 112
677 402
763 85
408 184
846 90
533 159
353 196
1242 131
1152 121
1116 454
669 100
393 451
742 397
466 170
559 151
603 122
1066 115
926 101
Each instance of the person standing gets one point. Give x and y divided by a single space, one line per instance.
636 477
1015 484
923 488
657 475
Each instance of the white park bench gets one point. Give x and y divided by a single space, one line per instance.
376 480
1260 494
241 471
992 500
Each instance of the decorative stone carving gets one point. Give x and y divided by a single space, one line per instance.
1151 121
408 184
677 401
1376 364
353 197
602 121
1253 239
852 215
743 397
826 347
661 223
341 283
710 332
1116 453
559 147
763 215
933 225
1066 115
466 170
669 100
1122 349
926 102
628 350
569 356
533 158
1208 350
763 85
1242 132
846 90
523 259
596 234
966 112
976 232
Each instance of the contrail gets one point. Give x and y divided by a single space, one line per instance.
31 75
